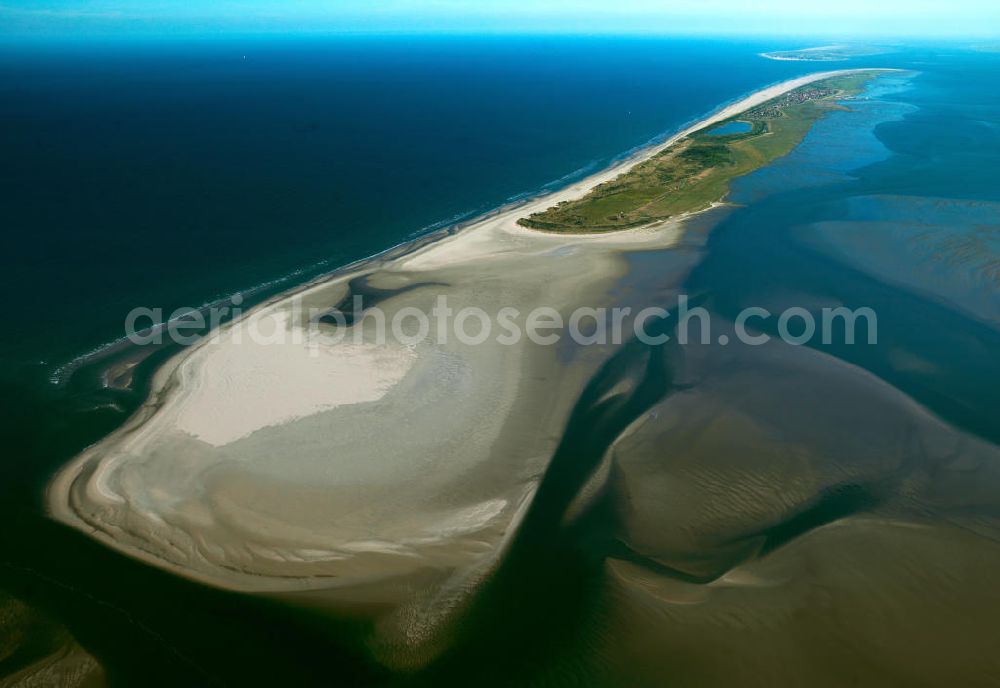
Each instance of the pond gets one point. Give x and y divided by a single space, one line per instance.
734 127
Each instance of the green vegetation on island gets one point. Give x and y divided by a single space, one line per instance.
696 171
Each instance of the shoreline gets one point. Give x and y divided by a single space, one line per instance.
528 200
205 515
503 224
644 153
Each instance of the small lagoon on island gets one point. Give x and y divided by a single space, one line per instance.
729 128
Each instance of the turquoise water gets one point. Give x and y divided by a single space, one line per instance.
734 127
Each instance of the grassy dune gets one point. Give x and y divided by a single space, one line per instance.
695 172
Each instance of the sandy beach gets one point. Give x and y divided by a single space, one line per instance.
486 236
370 470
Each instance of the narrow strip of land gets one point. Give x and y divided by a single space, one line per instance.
696 170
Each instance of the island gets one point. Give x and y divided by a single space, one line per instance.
826 53
695 171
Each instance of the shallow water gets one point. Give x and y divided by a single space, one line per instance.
735 127
173 173
768 503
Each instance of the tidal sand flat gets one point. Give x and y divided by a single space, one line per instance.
391 472
825 53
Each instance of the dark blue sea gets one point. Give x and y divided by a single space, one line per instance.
171 174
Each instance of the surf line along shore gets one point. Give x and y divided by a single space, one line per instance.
375 469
